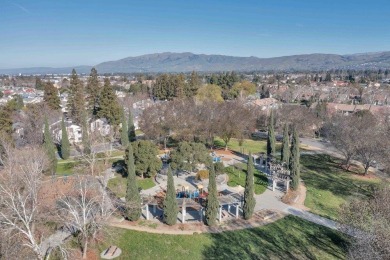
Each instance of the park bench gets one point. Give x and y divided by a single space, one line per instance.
110 251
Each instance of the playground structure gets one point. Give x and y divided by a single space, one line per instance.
279 174
196 194
191 205
215 157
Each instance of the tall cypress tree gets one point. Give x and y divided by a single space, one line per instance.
131 128
133 197
271 136
295 160
85 134
212 199
49 148
285 154
124 131
109 107
65 146
249 199
170 202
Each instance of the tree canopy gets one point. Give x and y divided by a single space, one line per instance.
147 164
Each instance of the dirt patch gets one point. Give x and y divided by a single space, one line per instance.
296 198
220 152
77 255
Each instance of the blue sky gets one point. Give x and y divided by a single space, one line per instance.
83 32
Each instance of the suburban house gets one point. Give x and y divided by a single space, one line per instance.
264 103
101 125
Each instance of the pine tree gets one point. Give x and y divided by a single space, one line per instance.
65 146
93 91
212 199
295 160
76 99
249 199
131 128
109 107
170 202
50 149
133 198
124 131
285 153
271 137
50 96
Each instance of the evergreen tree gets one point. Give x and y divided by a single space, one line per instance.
76 100
50 96
93 91
193 85
85 134
38 84
65 146
271 142
295 160
249 199
285 154
170 202
109 107
124 131
146 160
50 149
131 128
133 197
212 199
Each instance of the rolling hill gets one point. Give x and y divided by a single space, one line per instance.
185 62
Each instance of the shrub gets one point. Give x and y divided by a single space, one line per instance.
202 174
219 168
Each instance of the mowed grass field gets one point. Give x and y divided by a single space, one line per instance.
249 145
118 184
329 186
288 238
237 176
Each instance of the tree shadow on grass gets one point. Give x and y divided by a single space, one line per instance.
322 172
289 238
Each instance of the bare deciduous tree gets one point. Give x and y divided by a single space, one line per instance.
20 181
86 209
369 222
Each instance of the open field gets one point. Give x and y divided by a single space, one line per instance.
288 238
329 186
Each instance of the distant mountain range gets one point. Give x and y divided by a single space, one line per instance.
186 62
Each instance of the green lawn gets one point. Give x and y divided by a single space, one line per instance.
66 168
118 184
237 176
249 145
328 186
288 238
138 132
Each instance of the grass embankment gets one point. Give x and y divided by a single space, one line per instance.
237 176
118 184
329 186
67 167
249 145
288 238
